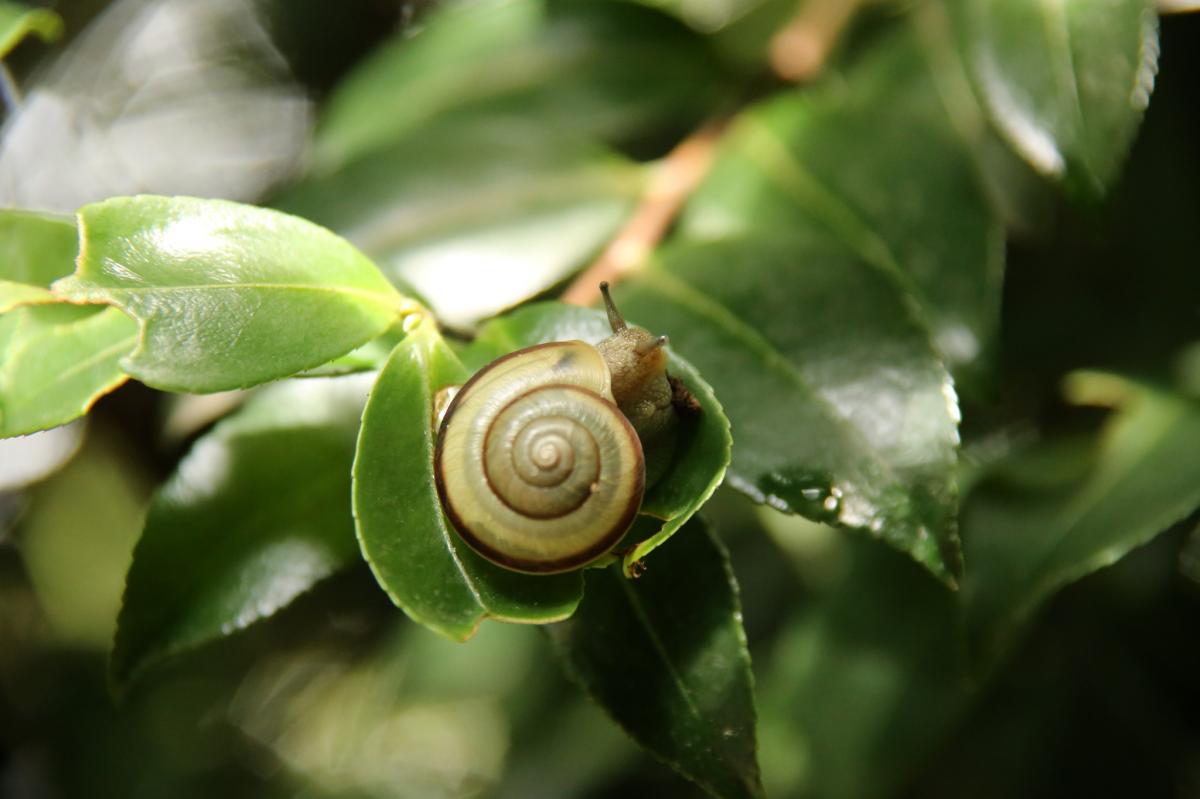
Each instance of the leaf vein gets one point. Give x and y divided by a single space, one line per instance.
393 301
659 647
780 166
443 527
684 294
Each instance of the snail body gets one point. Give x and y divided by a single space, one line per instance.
541 457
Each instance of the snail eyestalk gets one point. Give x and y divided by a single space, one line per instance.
615 320
651 345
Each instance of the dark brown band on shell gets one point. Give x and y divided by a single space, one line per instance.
577 560
487 476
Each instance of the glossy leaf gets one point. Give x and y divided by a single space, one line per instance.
57 360
256 514
1025 542
585 68
876 163
226 295
475 218
18 21
666 657
1066 83
418 558
696 469
840 409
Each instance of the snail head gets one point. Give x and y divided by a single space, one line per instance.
637 361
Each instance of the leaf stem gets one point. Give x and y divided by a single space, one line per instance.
674 178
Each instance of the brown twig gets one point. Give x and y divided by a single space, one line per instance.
799 50
1177 6
675 177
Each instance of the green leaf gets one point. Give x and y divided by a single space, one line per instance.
370 357
227 295
77 534
14 295
607 69
18 21
874 161
706 15
57 360
1066 83
840 409
418 558
475 218
697 470
698 466
35 248
666 656
1026 542
866 676
256 514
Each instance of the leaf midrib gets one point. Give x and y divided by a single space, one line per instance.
422 354
685 693
779 166
393 300
660 648
1056 24
95 358
684 294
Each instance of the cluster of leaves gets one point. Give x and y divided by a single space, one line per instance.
830 291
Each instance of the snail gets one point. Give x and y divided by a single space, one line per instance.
543 456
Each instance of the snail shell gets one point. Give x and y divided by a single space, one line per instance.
535 465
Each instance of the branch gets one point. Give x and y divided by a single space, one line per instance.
1177 6
799 50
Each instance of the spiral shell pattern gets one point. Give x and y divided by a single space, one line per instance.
536 467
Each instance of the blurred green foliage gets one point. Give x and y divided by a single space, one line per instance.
953 279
